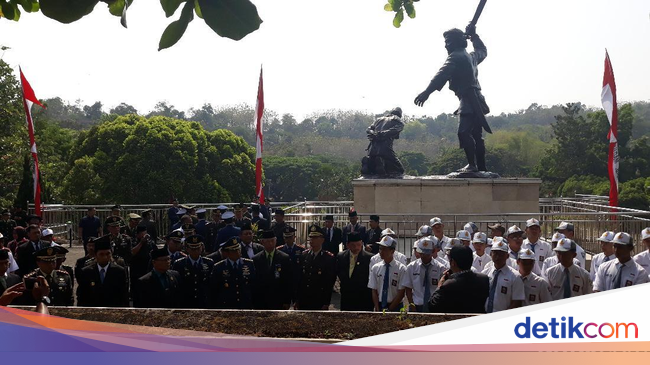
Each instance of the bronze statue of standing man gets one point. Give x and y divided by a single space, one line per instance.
461 71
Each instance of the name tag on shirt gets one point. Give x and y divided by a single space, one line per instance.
504 290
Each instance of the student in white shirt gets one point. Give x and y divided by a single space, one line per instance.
566 279
553 260
386 278
506 288
540 248
499 242
438 229
623 271
536 288
465 238
568 230
607 254
481 258
422 276
643 258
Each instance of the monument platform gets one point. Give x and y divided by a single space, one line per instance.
442 195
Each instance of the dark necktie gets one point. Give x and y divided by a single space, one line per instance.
606 258
493 289
384 291
427 288
532 247
567 283
102 275
618 277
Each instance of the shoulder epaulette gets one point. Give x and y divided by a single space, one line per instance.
181 259
220 261
208 259
301 246
246 260
33 273
63 272
328 253
280 247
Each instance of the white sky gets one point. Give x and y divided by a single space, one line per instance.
320 55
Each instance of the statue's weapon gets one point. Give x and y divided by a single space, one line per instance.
477 15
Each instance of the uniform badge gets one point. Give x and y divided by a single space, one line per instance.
504 290
541 258
434 281
226 273
531 297
628 283
319 272
92 283
393 283
576 288
225 285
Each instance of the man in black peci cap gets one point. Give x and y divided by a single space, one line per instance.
103 284
353 270
231 286
159 288
278 226
318 274
333 236
374 235
273 277
353 226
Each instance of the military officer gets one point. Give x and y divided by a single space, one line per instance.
643 258
200 225
194 272
141 256
273 277
228 231
212 230
318 274
231 285
294 251
607 254
61 252
387 278
258 218
278 226
104 283
622 271
59 281
506 288
130 228
174 245
565 278
535 243
240 218
536 289
422 276
160 287
120 243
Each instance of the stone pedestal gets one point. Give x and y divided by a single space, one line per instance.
437 195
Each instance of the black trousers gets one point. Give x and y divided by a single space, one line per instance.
470 136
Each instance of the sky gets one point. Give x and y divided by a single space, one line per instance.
320 55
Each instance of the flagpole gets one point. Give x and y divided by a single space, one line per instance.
259 145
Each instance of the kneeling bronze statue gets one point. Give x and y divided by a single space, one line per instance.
381 161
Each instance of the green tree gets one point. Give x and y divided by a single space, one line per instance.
415 131
123 109
415 163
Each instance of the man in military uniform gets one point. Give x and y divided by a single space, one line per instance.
240 220
141 256
273 278
6 226
116 212
461 71
147 221
189 229
194 272
103 283
160 287
229 230
121 244
130 228
174 245
59 281
294 251
318 274
233 277
212 229
278 226
258 218
354 226
61 252
199 227
374 234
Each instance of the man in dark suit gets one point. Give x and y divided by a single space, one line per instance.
373 235
160 288
103 284
333 236
6 279
353 271
273 278
147 221
460 290
25 252
354 226
248 247
195 274
318 274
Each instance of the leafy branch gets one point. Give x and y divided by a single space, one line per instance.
399 7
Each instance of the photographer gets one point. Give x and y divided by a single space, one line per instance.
40 293
141 256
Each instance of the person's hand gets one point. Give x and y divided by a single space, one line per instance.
422 98
369 248
444 277
12 293
41 288
470 30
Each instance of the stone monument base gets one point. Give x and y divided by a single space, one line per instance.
440 195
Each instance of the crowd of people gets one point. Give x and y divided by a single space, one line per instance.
241 259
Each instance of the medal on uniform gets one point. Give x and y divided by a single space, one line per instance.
92 283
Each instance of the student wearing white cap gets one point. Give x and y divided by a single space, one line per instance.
386 278
535 243
422 276
47 235
13 265
481 258
438 229
465 238
643 258
515 238
501 244
554 260
423 231
622 271
607 246
568 230
398 255
536 289
567 279
506 288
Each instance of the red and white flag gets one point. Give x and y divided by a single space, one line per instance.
608 98
259 113
29 99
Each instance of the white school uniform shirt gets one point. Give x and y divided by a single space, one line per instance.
643 259
596 261
542 250
445 241
442 261
515 256
511 263
509 287
396 273
536 289
581 255
579 280
396 255
414 278
632 274
13 265
481 261
552 261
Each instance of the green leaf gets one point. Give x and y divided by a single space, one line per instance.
67 11
116 7
197 9
170 6
8 10
176 29
396 4
29 6
410 9
232 19
388 7
399 17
